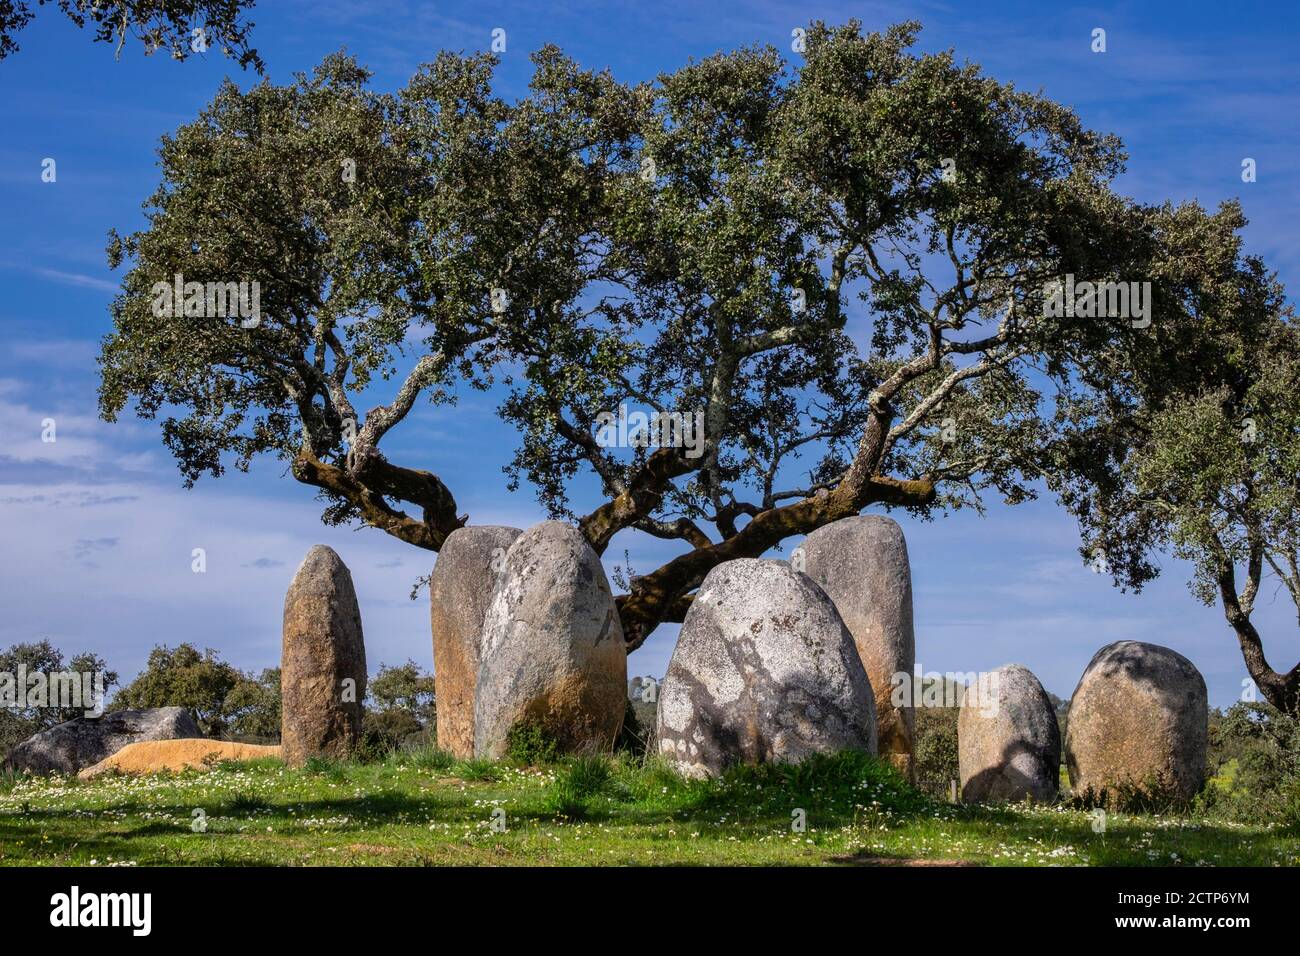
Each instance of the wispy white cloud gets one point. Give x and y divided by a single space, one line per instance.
64 354
67 278
62 437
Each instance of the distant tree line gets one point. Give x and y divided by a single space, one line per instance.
19 723
225 701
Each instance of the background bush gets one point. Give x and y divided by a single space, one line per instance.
225 701
1253 765
19 723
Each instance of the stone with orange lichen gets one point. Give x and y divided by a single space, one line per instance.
460 589
153 756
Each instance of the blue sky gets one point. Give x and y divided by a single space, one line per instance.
96 531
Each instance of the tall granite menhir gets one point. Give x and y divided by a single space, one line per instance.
861 563
460 589
553 657
323 662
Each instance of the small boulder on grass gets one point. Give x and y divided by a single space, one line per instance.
153 756
1008 741
1139 722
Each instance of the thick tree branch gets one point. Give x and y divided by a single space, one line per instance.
653 594
374 480
639 499
381 418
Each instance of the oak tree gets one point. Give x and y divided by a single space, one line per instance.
1188 440
842 265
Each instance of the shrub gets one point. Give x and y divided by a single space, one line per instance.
530 744
565 801
652 779
326 767
244 802
382 731
1156 794
579 780
1253 765
428 757
934 750
480 768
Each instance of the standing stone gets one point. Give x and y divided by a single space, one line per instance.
323 663
460 590
764 670
862 564
552 654
1008 741
1138 720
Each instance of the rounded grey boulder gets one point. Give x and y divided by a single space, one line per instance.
1138 721
862 563
764 671
84 741
552 653
322 662
460 589
1008 740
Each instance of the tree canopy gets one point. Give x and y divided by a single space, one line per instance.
181 27
17 723
1189 440
223 699
843 267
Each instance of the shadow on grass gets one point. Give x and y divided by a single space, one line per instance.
830 792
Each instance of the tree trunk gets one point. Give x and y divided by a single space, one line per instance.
1280 690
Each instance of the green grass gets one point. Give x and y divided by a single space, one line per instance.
480 770
424 808
575 786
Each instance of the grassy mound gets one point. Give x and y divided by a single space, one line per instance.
424 807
